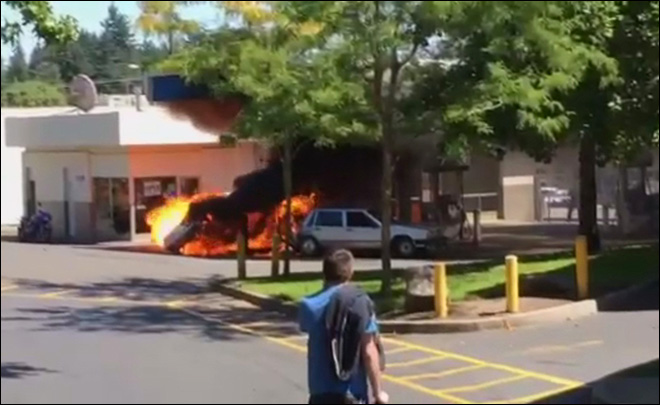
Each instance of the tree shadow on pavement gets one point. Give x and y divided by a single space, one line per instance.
132 289
207 323
15 371
146 306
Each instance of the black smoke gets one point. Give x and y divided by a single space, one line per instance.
341 177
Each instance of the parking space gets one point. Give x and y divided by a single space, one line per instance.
446 376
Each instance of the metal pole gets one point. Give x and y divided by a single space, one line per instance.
477 228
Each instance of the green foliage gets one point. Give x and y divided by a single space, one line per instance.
32 94
45 25
42 68
116 53
292 95
17 69
162 18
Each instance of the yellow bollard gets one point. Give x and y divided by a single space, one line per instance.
275 256
441 291
512 285
582 267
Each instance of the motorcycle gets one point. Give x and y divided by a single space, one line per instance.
36 229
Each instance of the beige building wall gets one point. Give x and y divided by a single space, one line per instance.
522 178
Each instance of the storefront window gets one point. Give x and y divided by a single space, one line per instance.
151 193
113 210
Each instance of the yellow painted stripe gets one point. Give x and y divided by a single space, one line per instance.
425 390
9 288
486 364
397 351
55 295
480 387
442 374
540 396
302 349
257 325
416 362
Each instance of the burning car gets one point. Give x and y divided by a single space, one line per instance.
207 225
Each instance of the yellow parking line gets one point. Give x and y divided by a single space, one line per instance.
9 288
479 387
257 325
55 295
425 390
443 374
397 351
416 362
486 364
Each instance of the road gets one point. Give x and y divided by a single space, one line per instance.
87 326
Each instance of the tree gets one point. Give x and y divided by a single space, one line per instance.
42 65
45 25
151 55
531 78
621 120
163 19
32 94
374 42
294 96
116 53
3 80
79 57
17 70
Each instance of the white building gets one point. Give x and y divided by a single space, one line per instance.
98 174
12 173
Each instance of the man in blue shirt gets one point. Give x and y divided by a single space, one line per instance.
325 386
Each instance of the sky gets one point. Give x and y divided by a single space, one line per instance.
90 14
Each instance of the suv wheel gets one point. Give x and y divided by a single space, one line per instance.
309 246
404 247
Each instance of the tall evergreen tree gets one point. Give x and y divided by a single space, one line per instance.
116 52
17 70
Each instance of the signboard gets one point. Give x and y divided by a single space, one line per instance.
153 189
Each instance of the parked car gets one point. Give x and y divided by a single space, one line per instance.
358 229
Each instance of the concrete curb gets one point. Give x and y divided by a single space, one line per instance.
558 314
563 313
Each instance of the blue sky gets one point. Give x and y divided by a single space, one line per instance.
90 14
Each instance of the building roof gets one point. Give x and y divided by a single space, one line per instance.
65 128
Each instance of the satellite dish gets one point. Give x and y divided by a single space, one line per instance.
83 93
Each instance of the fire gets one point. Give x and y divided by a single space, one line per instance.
219 238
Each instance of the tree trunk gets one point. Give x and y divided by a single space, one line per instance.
386 208
589 193
287 167
170 42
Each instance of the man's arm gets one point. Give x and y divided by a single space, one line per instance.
371 357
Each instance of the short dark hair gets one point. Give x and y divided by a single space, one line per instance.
338 267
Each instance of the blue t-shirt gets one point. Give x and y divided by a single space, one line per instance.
320 372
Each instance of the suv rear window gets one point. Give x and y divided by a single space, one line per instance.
332 219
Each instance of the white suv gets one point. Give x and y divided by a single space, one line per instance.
358 229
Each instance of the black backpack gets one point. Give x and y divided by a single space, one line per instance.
349 313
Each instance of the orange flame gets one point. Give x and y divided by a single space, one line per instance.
218 239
